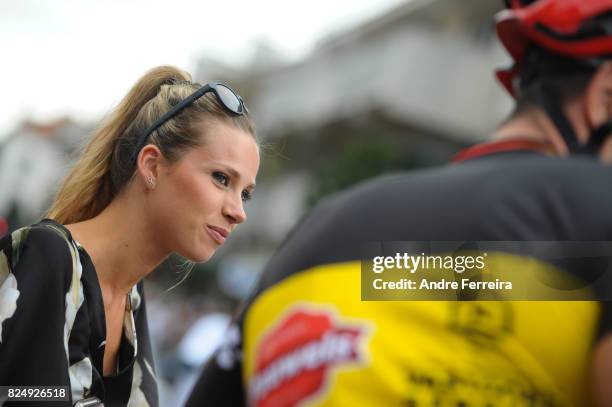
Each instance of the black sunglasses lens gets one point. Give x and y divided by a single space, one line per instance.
229 99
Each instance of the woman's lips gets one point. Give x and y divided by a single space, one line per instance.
218 234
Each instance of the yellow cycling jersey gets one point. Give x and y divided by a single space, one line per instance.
309 340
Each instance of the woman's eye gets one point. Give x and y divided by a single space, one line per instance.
221 178
246 196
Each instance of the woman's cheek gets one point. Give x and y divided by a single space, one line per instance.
210 198
192 190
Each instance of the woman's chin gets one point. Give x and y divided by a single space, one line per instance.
202 256
198 256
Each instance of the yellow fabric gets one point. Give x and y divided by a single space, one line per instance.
419 353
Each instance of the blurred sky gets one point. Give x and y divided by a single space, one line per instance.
79 57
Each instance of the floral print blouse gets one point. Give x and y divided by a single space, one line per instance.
52 323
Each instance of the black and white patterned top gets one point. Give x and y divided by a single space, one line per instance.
52 322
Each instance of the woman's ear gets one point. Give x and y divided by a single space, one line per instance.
149 161
598 96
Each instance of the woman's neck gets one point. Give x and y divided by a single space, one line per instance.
119 243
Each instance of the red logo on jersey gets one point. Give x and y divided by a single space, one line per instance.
293 359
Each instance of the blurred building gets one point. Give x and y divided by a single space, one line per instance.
404 90
417 78
33 160
426 65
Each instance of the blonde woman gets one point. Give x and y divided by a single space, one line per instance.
168 171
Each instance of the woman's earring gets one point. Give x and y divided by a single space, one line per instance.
151 181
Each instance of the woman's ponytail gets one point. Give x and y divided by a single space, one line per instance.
90 187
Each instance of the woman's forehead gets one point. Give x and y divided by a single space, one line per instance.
229 143
230 146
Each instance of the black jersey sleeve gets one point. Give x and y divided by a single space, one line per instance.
220 383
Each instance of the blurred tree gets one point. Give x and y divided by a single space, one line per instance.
359 161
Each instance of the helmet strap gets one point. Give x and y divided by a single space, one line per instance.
549 100
599 135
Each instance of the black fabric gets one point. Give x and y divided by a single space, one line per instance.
32 351
599 135
551 102
217 387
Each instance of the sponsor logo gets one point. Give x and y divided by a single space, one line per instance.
294 358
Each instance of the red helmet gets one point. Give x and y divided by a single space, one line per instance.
578 29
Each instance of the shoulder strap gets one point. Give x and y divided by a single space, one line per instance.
57 228
74 254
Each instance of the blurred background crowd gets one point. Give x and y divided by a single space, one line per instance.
391 86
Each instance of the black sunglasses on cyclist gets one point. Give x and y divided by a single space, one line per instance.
228 98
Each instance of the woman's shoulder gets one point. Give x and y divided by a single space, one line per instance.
43 245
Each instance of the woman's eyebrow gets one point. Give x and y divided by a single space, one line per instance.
235 174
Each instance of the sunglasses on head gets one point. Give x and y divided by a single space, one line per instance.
225 95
